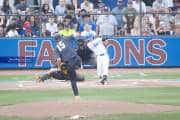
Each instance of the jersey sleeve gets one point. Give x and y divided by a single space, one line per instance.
93 44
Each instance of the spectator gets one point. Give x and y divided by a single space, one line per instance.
22 7
148 28
6 7
46 9
80 15
44 32
71 12
49 2
71 2
11 4
177 22
117 11
60 26
87 20
2 31
169 3
88 33
61 8
34 7
130 15
11 31
136 5
2 19
51 26
67 2
88 6
135 31
166 20
106 24
159 6
67 30
163 29
19 25
33 29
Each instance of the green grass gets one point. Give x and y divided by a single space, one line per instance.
9 97
140 95
142 116
16 77
168 95
114 76
13 118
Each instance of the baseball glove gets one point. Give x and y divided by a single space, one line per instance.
64 68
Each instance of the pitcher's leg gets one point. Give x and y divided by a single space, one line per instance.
73 79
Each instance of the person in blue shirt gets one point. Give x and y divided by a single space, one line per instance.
87 20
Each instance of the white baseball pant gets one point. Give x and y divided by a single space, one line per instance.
102 64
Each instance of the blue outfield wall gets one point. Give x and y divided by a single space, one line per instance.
30 53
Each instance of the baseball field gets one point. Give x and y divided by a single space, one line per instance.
130 94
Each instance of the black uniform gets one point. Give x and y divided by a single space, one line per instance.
72 61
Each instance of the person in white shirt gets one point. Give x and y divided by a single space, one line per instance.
159 6
136 5
169 3
88 6
11 31
106 24
51 26
98 47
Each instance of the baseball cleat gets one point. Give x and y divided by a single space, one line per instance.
104 80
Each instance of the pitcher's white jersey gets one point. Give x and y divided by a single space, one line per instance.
100 51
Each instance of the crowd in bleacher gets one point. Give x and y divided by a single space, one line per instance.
88 18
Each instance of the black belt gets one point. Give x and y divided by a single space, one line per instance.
102 54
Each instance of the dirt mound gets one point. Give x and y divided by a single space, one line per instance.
87 108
